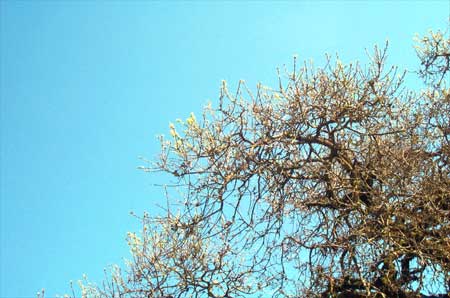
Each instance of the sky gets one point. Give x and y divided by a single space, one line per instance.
87 86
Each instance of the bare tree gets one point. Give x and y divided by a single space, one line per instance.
334 184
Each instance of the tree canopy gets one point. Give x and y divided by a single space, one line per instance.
336 183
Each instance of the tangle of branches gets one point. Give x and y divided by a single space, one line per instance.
336 183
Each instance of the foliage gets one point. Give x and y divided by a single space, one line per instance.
334 184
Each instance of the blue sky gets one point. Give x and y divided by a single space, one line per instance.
87 86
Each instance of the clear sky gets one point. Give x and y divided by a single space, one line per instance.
87 86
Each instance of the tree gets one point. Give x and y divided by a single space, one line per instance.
334 184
